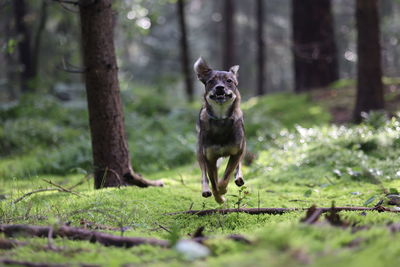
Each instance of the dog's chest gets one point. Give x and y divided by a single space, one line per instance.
217 151
220 139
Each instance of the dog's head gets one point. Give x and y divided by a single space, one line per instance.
220 86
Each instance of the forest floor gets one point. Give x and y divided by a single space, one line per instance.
295 167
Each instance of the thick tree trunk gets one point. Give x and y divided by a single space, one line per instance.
314 48
228 48
260 48
369 70
112 166
185 55
24 45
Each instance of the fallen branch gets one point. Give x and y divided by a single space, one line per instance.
278 211
30 264
10 244
80 234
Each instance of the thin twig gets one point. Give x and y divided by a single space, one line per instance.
164 228
50 239
86 178
34 192
61 188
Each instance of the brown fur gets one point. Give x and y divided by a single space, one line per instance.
220 129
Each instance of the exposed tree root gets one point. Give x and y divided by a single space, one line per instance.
137 180
80 234
278 211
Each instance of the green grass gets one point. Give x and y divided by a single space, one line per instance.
296 166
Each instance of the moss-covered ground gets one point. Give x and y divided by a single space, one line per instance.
297 160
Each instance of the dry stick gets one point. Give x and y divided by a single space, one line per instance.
86 178
61 188
34 192
50 189
278 211
80 234
312 215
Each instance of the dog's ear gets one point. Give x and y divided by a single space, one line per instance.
234 70
202 70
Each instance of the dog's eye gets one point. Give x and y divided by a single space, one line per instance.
229 81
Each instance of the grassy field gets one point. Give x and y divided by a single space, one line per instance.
300 161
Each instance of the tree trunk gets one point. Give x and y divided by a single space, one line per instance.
369 70
260 48
185 55
314 48
24 45
38 37
111 160
229 35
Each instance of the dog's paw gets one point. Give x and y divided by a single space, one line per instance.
239 181
219 199
206 193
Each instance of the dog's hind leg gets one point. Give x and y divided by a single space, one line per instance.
238 175
233 163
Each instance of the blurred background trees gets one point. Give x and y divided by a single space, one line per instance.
149 32
282 46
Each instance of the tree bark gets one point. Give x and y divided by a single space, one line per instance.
229 34
260 48
24 45
314 48
185 55
111 159
369 70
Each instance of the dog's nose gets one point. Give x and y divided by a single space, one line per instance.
219 90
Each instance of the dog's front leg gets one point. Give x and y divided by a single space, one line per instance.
239 176
212 171
204 180
233 163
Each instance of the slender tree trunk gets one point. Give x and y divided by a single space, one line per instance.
369 70
24 45
111 159
9 62
229 34
260 48
38 38
185 55
314 48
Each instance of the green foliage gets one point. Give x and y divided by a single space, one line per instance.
270 114
53 136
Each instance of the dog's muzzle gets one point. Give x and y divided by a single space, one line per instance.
220 95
